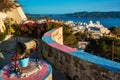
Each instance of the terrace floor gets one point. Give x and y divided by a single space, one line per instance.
59 76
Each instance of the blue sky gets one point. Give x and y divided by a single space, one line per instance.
68 6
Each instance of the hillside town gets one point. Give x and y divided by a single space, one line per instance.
96 29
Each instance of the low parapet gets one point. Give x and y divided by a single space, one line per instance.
105 64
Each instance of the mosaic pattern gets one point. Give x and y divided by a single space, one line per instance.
43 74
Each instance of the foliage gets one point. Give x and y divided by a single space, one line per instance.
115 30
27 29
8 22
82 36
34 18
2 36
6 5
68 37
117 54
33 29
103 47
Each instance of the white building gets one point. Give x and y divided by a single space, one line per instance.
82 45
103 29
70 23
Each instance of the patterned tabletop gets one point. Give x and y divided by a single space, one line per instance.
42 74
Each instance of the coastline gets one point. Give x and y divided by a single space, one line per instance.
107 22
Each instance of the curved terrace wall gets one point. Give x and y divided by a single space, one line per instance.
76 64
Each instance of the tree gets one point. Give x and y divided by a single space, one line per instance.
103 47
6 5
115 30
68 37
82 36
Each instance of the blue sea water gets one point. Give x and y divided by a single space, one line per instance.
107 22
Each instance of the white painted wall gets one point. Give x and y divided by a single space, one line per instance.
17 15
57 35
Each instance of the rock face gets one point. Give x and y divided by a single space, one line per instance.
16 14
2 27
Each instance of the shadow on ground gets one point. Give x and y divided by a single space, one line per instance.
58 76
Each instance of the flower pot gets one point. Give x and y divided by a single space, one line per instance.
24 62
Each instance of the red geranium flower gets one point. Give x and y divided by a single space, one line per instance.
30 23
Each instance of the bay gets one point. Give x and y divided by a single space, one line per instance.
107 22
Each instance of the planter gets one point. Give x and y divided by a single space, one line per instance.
24 62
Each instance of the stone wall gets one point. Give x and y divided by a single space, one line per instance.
87 67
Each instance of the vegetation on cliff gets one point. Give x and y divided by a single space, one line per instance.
6 5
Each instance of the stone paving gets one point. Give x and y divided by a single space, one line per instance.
59 76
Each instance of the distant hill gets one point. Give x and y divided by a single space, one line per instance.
112 14
39 15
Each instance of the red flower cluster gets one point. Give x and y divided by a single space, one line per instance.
33 29
15 57
28 28
0 34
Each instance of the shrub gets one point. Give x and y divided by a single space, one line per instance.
9 22
2 36
33 29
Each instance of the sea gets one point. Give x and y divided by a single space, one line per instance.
106 22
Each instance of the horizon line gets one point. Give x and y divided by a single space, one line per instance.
68 13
